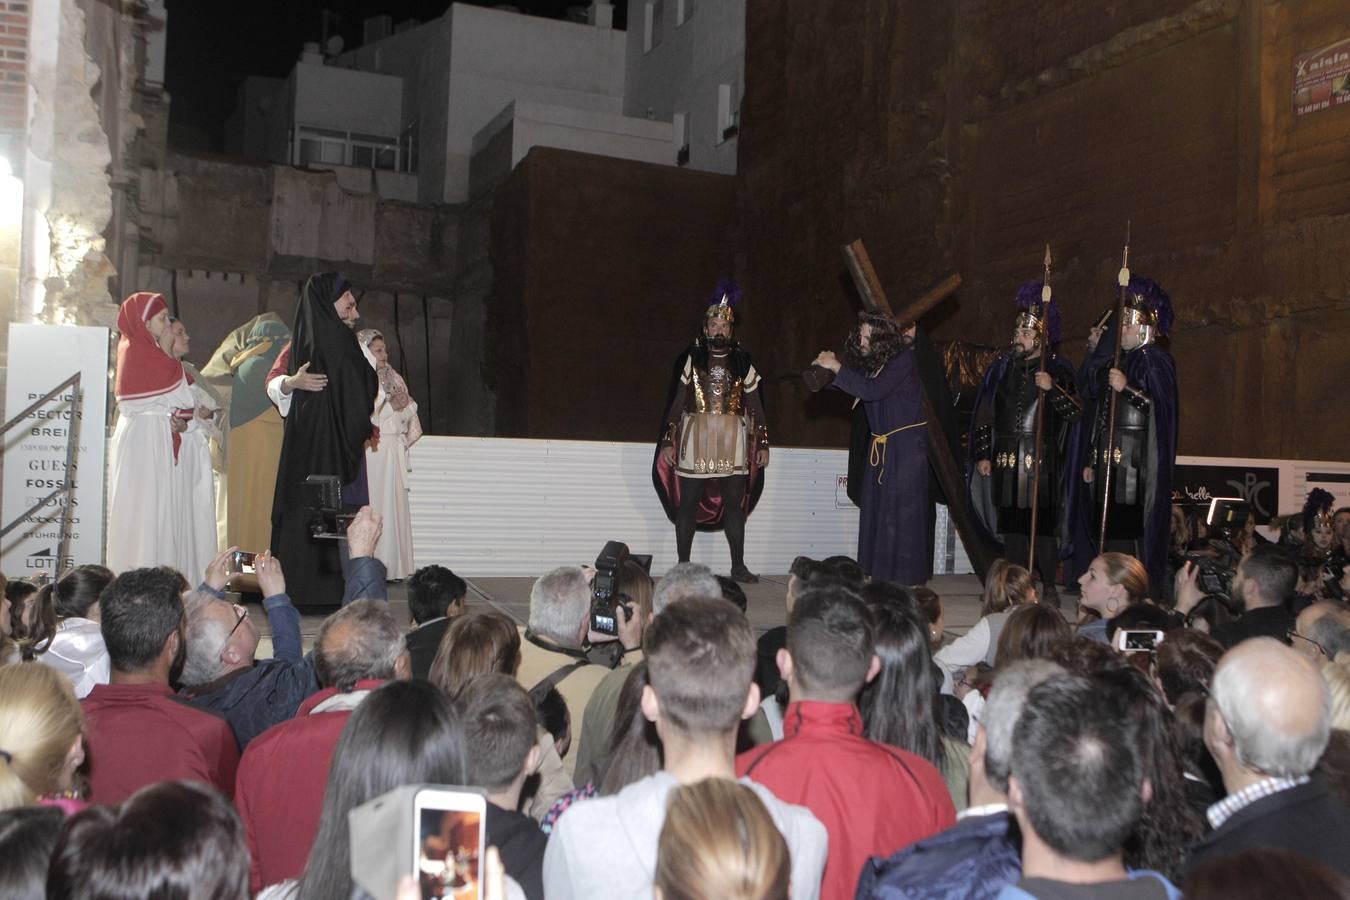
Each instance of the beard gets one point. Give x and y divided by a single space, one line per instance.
718 343
881 349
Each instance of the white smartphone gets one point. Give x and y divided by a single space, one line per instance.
1138 640
449 838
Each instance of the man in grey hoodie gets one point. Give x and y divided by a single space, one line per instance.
700 657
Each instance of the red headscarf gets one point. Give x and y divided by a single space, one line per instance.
143 368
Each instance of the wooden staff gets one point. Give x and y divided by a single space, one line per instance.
1041 397
1122 286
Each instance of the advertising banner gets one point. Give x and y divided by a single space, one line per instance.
1322 78
35 451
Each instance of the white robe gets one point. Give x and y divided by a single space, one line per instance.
194 481
387 478
159 512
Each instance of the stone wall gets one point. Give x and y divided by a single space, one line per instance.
226 240
842 130
966 136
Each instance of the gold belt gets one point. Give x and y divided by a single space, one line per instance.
877 458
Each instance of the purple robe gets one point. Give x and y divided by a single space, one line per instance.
891 533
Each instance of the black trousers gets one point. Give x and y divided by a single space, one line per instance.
733 515
1017 548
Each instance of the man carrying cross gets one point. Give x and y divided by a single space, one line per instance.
881 370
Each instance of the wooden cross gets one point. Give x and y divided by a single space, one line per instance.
941 455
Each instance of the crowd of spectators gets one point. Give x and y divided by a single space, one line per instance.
1148 749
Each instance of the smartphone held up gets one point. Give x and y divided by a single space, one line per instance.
435 833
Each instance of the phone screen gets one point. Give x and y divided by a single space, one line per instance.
243 561
1140 640
449 850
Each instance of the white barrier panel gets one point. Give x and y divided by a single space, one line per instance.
509 507
40 358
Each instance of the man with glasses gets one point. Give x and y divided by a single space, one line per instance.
221 673
1321 631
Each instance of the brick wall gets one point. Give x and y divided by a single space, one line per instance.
966 140
601 271
13 73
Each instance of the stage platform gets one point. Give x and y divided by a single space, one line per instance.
511 595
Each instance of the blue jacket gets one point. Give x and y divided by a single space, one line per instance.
976 858
253 700
1141 877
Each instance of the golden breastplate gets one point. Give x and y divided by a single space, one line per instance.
717 390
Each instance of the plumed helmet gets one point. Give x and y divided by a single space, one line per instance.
1147 304
724 300
1033 314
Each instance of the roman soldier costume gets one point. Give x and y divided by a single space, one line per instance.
708 464
1141 450
1004 434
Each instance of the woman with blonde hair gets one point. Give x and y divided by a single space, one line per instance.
719 841
41 736
1006 587
1113 583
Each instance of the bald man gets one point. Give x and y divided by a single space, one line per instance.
1266 725
1321 631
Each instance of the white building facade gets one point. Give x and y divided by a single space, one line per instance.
686 66
442 111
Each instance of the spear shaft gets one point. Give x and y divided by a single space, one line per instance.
1108 455
1041 396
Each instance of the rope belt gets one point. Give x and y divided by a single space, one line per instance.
877 458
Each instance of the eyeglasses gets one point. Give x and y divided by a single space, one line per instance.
1295 636
241 613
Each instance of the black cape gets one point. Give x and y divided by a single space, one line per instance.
325 434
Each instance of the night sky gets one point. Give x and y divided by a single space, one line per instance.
213 45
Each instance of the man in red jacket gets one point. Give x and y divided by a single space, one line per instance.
872 798
285 770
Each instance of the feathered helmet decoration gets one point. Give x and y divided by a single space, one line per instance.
1029 312
1317 509
1147 304
724 300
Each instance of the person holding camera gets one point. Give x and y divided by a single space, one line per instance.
562 649
710 462
1264 583
221 673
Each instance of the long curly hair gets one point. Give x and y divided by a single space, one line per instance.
884 345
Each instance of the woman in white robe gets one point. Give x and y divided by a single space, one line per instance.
155 408
387 459
194 475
